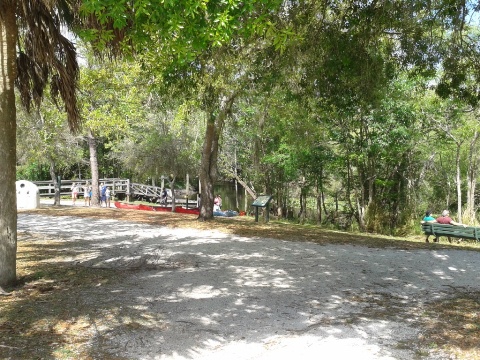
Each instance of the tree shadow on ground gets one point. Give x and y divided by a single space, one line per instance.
115 291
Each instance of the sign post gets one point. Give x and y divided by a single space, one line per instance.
262 201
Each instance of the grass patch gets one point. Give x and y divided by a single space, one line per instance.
453 325
47 316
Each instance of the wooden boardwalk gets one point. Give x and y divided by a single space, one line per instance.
120 189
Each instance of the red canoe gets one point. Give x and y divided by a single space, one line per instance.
178 209
182 210
120 205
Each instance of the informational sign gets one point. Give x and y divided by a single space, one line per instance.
262 200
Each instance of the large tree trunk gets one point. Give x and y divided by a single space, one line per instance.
458 181
208 167
303 201
302 216
8 201
471 180
319 198
92 146
208 170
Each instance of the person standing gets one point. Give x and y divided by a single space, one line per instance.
87 189
163 199
74 189
103 198
107 197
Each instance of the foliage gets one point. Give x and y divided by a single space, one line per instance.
163 143
340 108
32 171
43 138
46 58
180 30
112 96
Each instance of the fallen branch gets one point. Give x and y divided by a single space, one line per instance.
4 293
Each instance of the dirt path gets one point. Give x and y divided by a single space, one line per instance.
199 294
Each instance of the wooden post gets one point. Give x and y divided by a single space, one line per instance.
246 201
59 184
199 192
187 187
236 182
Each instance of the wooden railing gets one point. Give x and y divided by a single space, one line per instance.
47 188
122 187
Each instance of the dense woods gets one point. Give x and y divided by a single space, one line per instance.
352 114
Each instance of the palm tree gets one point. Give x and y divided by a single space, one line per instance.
34 54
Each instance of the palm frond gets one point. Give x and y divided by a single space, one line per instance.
46 56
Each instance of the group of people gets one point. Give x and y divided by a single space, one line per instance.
443 219
104 191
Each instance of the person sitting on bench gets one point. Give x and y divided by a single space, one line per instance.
447 220
429 218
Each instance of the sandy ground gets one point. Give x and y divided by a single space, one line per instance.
209 295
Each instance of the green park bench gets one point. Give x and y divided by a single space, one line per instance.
457 231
